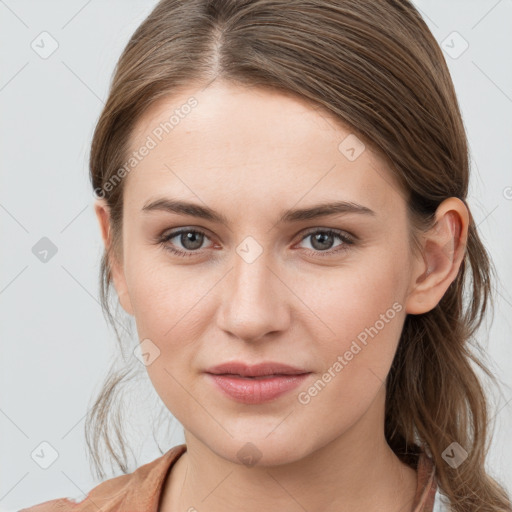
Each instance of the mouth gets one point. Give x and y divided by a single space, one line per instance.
261 370
259 377
256 389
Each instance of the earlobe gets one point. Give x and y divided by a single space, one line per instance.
443 252
102 211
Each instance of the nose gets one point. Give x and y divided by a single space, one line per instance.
255 302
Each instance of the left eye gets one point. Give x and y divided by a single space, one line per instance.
322 240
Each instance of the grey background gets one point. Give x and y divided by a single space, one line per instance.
55 345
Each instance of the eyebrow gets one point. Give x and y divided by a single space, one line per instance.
293 215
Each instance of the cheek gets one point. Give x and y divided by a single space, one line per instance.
366 313
162 294
353 295
166 303
359 316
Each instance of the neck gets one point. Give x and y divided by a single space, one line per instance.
355 471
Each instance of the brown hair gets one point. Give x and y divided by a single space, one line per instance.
377 68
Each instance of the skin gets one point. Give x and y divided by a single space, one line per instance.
249 154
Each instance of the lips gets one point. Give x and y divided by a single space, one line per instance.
255 384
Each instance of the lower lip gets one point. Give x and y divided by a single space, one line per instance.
256 391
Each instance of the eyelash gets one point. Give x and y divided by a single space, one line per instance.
345 238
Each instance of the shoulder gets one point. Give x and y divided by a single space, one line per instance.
139 490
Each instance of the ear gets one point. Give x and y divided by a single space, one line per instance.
102 211
444 247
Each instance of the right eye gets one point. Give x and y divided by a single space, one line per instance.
190 239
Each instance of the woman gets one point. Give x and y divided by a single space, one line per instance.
281 190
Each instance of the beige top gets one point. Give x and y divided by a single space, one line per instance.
141 490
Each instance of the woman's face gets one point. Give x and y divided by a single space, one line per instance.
266 283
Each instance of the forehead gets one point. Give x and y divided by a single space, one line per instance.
252 144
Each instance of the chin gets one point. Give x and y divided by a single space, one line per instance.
259 450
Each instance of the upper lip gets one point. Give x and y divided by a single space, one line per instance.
256 370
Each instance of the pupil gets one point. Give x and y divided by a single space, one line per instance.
322 238
195 238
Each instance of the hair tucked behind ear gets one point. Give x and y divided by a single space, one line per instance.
376 67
